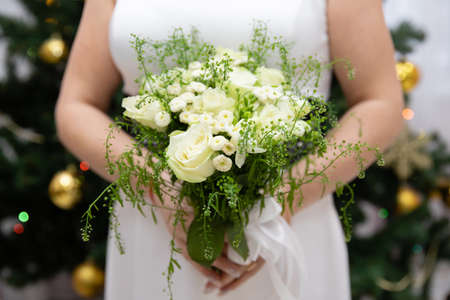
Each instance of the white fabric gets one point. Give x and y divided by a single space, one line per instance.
137 275
269 236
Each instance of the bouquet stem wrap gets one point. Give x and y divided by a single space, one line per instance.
269 236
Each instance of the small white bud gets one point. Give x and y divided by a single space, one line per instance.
229 148
162 119
225 116
222 163
184 117
217 142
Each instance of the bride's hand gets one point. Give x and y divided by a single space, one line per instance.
227 269
229 283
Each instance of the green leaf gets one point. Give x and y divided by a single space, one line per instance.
205 240
236 237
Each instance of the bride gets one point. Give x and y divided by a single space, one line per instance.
101 59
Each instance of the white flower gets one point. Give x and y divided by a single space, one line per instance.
152 85
217 142
140 109
229 148
269 76
214 101
206 118
222 163
162 119
269 115
240 80
177 104
225 116
238 57
196 87
195 65
174 89
267 94
221 126
189 154
184 117
187 96
300 128
193 118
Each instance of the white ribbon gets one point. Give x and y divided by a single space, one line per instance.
269 236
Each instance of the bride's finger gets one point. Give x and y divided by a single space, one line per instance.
247 275
224 281
229 267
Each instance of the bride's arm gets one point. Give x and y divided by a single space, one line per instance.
357 32
89 81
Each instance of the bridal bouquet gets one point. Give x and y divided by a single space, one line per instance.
226 127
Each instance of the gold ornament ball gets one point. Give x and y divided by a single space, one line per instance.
53 50
88 280
65 189
408 74
407 200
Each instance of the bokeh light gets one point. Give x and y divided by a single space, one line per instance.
84 166
408 114
23 217
383 213
18 228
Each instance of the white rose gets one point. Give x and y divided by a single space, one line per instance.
300 128
269 115
174 89
189 154
302 106
140 109
269 76
229 148
162 119
217 142
188 97
196 87
214 101
177 104
238 57
240 80
222 163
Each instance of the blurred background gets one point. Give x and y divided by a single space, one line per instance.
400 247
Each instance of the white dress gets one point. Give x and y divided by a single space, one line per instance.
137 275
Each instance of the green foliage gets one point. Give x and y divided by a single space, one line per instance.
405 36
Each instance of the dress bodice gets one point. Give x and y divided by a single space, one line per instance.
222 23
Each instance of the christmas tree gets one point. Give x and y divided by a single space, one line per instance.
44 189
400 226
